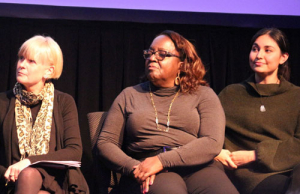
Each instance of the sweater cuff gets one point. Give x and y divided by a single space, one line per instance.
128 167
166 158
265 153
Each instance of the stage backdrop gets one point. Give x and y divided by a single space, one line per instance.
264 7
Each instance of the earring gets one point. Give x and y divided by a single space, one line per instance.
177 79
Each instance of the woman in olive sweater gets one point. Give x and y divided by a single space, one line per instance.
262 143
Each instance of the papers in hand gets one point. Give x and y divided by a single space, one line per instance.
57 164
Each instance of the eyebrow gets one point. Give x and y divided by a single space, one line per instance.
266 46
269 46
159 49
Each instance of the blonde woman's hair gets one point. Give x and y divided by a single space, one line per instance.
45 50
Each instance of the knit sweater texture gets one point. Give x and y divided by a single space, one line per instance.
197 124
273 134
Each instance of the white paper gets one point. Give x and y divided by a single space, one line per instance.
53 162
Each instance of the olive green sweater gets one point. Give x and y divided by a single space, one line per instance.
274 134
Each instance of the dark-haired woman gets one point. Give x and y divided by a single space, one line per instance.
262 145
170 127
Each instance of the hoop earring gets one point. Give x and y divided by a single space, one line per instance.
177 79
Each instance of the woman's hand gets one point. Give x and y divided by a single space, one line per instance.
150 166
14 170
243 157
225 159
148 182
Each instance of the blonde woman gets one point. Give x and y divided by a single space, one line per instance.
39 123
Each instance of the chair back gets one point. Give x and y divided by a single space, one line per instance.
105 179
96 121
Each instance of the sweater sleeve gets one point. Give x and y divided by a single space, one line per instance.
67 127
279 155
210 138
4 103
110 140
274 135
2 172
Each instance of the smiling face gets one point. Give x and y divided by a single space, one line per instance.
265 58
162 73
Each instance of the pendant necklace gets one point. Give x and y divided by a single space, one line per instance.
169 111
262 107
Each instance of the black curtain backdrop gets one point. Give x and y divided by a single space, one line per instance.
103 57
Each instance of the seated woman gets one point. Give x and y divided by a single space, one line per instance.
262 143
163 134
39 123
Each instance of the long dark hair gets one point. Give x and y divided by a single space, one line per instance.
280 38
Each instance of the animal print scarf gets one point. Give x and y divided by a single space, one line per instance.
33 137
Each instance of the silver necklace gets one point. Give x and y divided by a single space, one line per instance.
262 107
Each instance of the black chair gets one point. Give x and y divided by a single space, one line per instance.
105 179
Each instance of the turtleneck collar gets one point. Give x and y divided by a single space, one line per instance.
158 91
268 89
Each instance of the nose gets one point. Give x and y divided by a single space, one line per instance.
22 63
152 57
259 54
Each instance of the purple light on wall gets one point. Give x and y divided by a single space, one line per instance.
261 7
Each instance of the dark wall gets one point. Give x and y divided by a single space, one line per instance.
103 57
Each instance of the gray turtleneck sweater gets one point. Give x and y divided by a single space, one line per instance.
274 134
197 124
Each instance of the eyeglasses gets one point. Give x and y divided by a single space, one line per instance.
159 55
